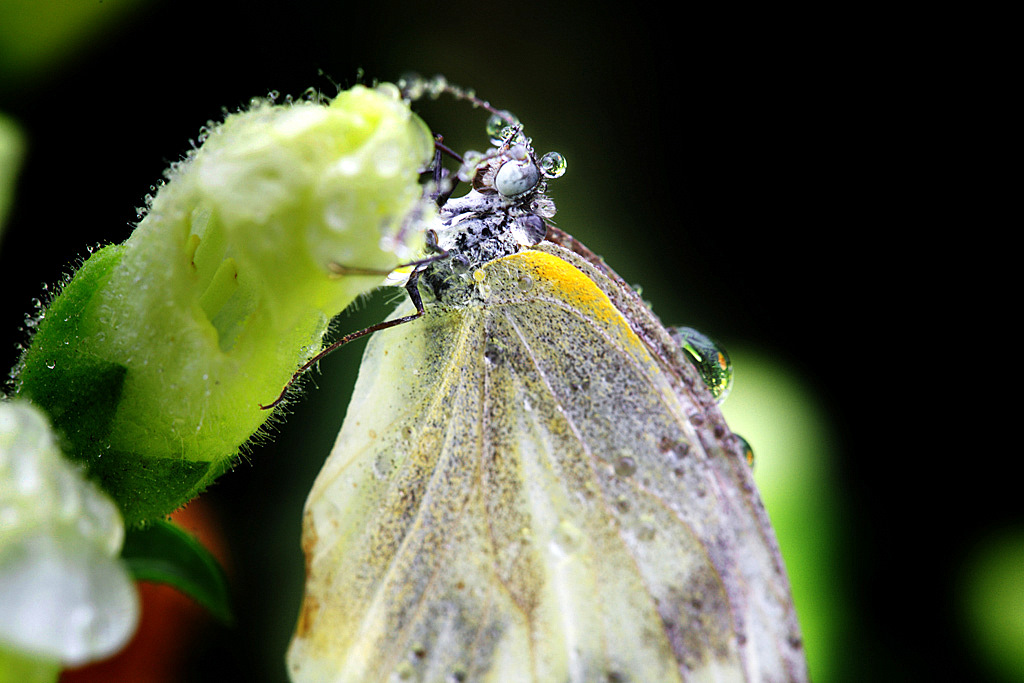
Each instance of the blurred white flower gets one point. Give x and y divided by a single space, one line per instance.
64 593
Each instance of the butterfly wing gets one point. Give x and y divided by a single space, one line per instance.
525 490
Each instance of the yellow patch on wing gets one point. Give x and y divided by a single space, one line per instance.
563 281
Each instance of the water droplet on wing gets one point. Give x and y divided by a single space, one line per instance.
708 357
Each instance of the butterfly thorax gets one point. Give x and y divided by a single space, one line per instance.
505 211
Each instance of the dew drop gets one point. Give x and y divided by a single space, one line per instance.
582 385
525 282
500 126
746 449
383 466
518 151
646 531
311 94
625 466
471 159
51 364
436 86
672 448
567 537
492 354
708 357
412 86
552 165
388 90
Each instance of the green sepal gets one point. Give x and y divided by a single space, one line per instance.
142 486
80 392
163 552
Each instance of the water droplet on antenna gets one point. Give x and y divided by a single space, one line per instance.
499 126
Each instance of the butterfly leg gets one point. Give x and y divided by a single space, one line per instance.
411 286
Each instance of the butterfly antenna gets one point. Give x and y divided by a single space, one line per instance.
415 87
441 147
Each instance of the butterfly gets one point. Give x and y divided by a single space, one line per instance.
533 482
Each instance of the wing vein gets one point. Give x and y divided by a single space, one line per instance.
633 483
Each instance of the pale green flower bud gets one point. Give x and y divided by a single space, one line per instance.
154 359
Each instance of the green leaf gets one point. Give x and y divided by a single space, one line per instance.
163 552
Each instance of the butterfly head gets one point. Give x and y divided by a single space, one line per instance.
507 207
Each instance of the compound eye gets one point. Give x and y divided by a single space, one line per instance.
516 177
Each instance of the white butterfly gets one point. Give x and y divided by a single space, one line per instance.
532 483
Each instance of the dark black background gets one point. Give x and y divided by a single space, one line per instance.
755 170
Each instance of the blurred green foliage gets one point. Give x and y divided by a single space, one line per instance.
12 149
36 35
991 595
793 467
